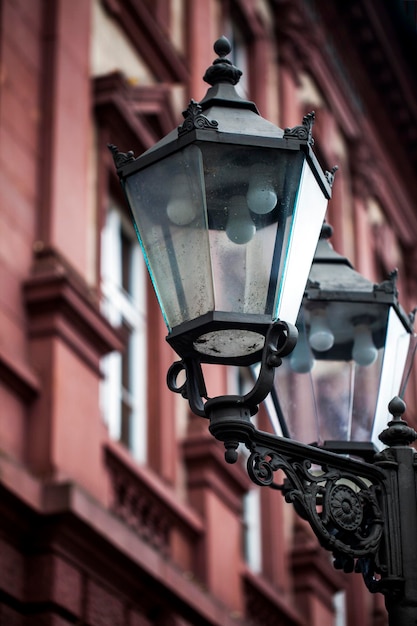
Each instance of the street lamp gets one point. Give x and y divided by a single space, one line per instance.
351 351
228 209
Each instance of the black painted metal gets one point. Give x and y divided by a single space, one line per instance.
333 279
364 512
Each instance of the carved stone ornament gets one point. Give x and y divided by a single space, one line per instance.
194 119
303 132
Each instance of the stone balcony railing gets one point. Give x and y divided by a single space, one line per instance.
151 508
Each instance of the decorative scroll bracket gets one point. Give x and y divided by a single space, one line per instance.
194 119
304 132
341 506
120 158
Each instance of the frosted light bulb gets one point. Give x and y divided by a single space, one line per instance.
364 351
180 208
240 227
321 337
261 197
301 359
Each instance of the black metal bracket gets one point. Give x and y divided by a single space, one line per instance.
360 510
280 340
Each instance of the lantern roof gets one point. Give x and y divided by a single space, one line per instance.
243 200
332 277
224 116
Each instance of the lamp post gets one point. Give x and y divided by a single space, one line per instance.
228 209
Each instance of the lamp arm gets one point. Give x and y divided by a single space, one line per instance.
338 496
193 388
363 512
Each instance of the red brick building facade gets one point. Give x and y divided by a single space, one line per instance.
116 506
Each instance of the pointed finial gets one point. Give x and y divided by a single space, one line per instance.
398 433
222 70
222 47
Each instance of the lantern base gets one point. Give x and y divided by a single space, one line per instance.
365 450
219 337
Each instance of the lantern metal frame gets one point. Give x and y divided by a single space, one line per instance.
363 511
225 130
345 297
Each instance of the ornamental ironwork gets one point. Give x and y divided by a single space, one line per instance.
194 119
304 132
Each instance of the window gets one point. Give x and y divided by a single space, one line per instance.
253 532
241 381
339 601
123 390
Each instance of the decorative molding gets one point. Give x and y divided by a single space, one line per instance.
313 570
297 36
304 132
266 605
19 377
81 562
136 116
204 458
363 165
330 175
120 158
59 303
146 505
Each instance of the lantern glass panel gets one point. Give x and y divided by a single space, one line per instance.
397 346
225 227
251 202
346 399
168 203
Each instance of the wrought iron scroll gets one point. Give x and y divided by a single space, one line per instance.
304 132
120 158
341 507
331 174
194 119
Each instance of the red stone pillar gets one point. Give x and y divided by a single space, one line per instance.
201 33
215 490
315 580
67 334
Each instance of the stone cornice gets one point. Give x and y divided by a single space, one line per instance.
266 604
312 567
59 303
138 115
150 40
207 468
18 377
